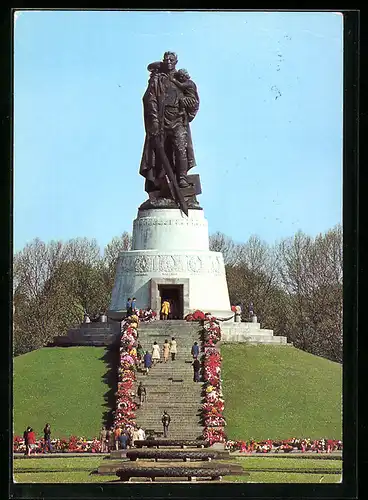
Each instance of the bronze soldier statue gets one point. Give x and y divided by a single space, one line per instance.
170 103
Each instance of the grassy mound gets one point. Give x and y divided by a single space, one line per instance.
62 386
280 392
270 392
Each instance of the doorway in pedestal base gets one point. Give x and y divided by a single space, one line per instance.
174 294
176 289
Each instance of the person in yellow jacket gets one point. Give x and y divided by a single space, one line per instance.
165 309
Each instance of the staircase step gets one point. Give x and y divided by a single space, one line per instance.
170 385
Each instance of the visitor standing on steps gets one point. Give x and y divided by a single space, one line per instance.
238 312
47 438
141 434
123 438
129 306
25 437
173 348
165 309
147 361
135 436
130 436
141 393
195 350
166 350
117 432
103 436
166 422
140 354
196 367
155 352
31 439
134 305
110 439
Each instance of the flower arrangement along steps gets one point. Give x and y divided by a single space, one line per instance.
170 385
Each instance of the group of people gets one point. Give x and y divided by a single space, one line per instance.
120 438
146 359
238 311
168 310
94 318
123 438
29 437
131 306
147 315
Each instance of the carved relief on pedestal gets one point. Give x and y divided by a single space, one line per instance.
125 264
166 263
194 264
179 263
147 221
216 265
142 264
190 264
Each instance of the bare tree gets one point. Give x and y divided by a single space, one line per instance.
111 254
295 286
219 242
311 272
34 318
260 259
54 284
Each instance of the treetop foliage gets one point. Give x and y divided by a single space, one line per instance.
295 286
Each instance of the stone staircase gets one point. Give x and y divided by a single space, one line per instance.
170 385
90 334
251 333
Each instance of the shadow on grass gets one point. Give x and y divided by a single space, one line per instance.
110 378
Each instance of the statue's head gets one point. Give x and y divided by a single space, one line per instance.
169 60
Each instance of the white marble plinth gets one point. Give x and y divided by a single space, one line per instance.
171 249
170 229
202 274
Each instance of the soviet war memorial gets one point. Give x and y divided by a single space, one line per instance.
204 345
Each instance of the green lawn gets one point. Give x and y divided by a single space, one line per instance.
270 392
79 469
280 392
62 386
267 470
59 470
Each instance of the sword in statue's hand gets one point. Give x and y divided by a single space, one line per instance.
170 176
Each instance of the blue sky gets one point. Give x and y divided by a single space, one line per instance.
267 137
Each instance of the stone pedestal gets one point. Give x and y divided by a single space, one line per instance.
170 256
169 229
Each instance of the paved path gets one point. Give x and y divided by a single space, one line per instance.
335 455
62 455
